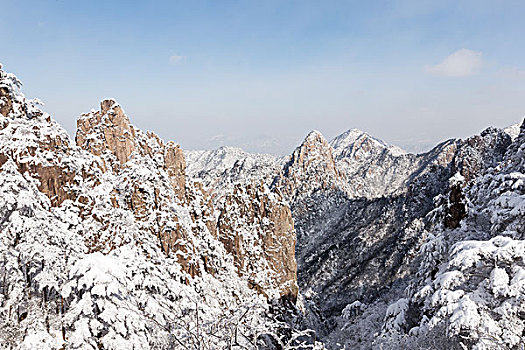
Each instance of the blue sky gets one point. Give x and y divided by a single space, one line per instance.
261 74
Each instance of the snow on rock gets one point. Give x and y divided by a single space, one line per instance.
220 169
107 245
121 240
355 139
513 130
310 168
372 168
470 281
256 226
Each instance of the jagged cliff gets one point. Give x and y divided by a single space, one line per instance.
256 226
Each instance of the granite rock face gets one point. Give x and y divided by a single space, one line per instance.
108 133
257 228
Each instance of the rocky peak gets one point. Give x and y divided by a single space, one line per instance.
311 167
36 143
480 152
109 132
107 129
9 85
313 153
515 155
371 167
314 136
513 130
13 103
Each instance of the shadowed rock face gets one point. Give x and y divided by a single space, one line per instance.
473 157
257 228
480 152
358 249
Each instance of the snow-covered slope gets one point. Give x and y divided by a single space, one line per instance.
470 281
372 168
377 228
221 168
396 250
354 139
513 131
458 286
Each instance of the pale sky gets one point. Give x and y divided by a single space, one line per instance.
262 74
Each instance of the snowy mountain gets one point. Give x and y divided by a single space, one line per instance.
422 286
513 131
354 140
377 227
372 167
120 240
310 169
106 244
222 168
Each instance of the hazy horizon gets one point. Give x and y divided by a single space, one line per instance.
260 76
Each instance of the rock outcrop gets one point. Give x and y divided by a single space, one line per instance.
107 130
257 228
38 145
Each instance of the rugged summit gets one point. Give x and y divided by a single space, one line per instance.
311 168
109 133
107 130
